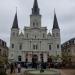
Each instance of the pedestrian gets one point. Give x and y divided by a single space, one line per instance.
5 67
14 67
11 68
49 65
19 68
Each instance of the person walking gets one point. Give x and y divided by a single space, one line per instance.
14 67
19 68
11 68
5 67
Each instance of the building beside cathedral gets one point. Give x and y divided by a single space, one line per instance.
35 40
68 51
3 52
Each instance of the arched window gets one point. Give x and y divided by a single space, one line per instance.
43 35
58 46
49 47
19 58
12 45
35 47
35 36
33 24
20 46
27 35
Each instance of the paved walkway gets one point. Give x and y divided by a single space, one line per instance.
62 71
16 73
67 71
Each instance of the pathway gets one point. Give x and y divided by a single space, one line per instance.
16 73
62 71
67 71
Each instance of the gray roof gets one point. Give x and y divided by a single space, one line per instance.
35 9
15 22
55 22
69 42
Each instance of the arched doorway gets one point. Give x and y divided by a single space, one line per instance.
35 57
19 58
34 61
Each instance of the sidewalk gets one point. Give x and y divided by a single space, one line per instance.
67 71
62 71
16 73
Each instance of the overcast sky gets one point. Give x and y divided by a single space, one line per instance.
65 11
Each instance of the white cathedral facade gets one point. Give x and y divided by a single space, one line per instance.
35 40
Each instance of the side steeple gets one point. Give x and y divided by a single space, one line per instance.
55 22
35 9
15 22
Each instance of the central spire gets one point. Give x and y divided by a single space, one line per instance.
35 9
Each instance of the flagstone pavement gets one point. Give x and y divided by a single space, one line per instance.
16 73
62 71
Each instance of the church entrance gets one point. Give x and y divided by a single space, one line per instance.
35 57
34 61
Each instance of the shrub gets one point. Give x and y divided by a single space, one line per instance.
3 73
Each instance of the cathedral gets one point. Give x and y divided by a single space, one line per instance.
34 40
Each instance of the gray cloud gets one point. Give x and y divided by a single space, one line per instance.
64 10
